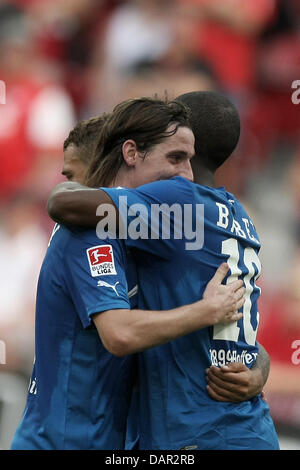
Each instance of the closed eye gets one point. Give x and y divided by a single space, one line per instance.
176 158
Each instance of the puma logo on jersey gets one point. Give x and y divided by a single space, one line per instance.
105 284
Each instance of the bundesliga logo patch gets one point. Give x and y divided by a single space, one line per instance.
101 260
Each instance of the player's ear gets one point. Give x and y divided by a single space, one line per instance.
130 152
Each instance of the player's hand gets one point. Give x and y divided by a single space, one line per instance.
233 382
225 300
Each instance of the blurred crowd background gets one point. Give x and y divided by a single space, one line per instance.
67 60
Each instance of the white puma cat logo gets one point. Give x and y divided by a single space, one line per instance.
105 284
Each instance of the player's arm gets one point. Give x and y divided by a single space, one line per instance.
125 331
71 203
262 369
95 277
235 382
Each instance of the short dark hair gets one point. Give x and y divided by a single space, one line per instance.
144 120
215 123
85 136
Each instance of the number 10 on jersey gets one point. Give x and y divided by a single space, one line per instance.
250 260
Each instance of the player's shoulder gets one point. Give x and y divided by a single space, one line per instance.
233 198
238 204
166 184
168 190
160 190
243 213
210 194
74 242
64 236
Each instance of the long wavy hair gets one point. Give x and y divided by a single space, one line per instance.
144 120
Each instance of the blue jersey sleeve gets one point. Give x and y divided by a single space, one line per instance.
96 276
132 280
153 215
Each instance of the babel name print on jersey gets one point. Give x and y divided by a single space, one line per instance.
101 260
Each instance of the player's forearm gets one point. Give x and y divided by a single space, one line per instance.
262 365
258 374
128 331
125 332
73 204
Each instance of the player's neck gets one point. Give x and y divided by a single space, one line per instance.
123 178
204 176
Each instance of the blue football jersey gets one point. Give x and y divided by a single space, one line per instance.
79 394
207 226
